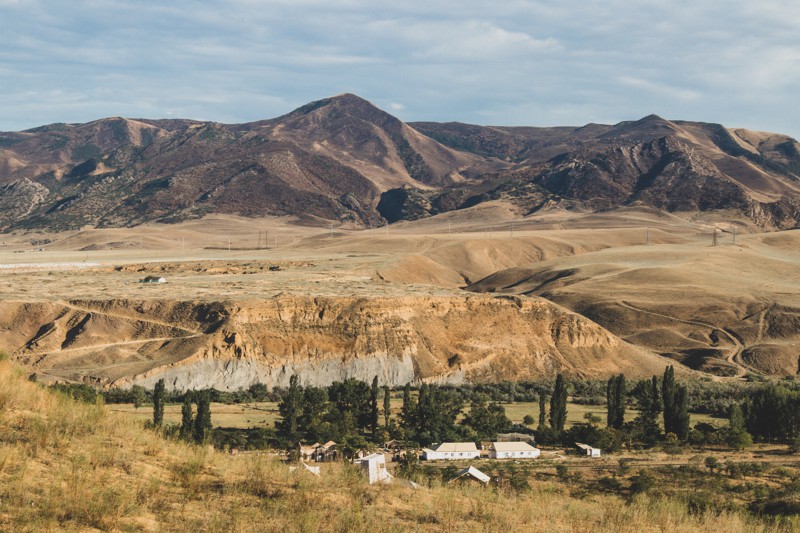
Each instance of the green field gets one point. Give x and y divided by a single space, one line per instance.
264 414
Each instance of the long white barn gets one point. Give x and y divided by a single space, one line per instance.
513 450
451 451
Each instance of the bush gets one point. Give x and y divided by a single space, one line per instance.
642 482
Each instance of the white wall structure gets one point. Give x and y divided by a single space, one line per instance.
513 450
374 466
451 451
587 450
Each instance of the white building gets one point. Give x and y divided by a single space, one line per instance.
374 466
451 451
513 450
587 450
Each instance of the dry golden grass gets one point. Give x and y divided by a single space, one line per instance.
75 467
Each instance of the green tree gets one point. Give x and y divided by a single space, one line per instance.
408 411
374 413
615 401
528 420
645 427
542 409
158 403
387 406
681 416
139 396
353 396
187 417
311 422
437 411
202 422
668 399
737 436
487 419
290 409
558 404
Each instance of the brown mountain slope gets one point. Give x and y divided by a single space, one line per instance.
675 166
329 159
343 159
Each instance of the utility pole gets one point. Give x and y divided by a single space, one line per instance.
229 244
647 236
331 234
512 229
714 237
448 227
734 235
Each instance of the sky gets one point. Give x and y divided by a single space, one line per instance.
515 63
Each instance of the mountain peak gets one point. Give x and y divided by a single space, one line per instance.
350 103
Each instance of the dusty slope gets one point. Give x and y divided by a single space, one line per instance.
722 309
714 308
228 345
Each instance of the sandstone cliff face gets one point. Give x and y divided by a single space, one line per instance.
228 345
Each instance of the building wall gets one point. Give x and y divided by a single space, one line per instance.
533 454
451 456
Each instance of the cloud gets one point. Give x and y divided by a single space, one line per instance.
525 62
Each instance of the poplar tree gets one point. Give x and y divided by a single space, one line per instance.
202 422
620 400
387 406
681 417
558 404
615 401
373 397
187 417
542 409
611 398
668 399
408 412
290 409
158 403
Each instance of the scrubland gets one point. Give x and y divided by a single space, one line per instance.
71 466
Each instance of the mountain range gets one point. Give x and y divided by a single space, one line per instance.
344 160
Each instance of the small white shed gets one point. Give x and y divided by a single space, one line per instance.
585 449
374 466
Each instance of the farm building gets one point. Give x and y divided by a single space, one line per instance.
319 453
374 466
513 450
451 451
153 279
585 449
470 474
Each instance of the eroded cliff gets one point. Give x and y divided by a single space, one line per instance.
228 345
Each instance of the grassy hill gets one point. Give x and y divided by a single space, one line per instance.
71 466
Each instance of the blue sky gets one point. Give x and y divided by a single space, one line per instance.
512 63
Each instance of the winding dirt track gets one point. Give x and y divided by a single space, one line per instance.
733 356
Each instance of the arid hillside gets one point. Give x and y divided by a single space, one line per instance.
342 160
228 345
590 295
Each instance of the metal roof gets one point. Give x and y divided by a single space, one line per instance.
512 447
